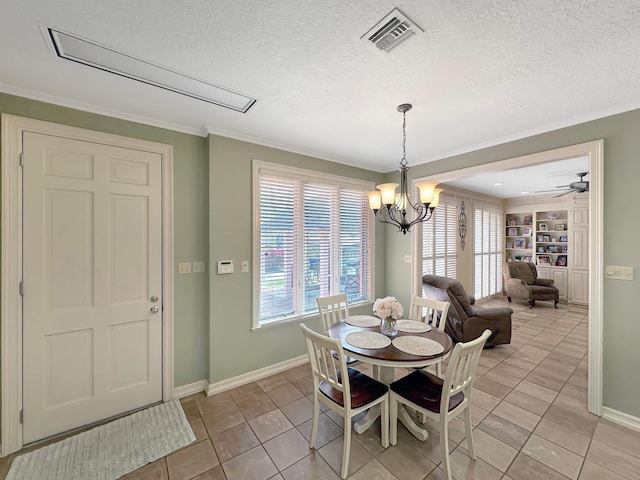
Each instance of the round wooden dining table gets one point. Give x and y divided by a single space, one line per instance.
387 359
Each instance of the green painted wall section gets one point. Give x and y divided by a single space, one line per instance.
621 233
235 349
213 337
191 238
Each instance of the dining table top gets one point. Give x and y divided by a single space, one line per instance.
390 355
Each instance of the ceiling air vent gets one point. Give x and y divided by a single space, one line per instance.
391 31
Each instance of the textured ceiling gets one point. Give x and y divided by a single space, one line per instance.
483 72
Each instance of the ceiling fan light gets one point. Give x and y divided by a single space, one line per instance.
387 192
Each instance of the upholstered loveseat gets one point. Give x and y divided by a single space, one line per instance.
521 281
465 321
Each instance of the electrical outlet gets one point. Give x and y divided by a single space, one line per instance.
184 268
407 259
198 267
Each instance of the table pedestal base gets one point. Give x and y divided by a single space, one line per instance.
386 376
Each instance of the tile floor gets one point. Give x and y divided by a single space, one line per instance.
528 410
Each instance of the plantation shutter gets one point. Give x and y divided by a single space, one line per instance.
488 251
277 245
355 225
439 240
318 250
313 239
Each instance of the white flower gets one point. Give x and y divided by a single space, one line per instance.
388 307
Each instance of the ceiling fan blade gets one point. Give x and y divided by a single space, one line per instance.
562 194
546 191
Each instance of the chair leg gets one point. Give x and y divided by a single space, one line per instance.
532 303
314 425
509 298
468 430
346 446
393 419
444 446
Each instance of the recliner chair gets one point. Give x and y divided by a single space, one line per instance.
466 322
521 281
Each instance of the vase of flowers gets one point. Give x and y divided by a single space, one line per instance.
389 310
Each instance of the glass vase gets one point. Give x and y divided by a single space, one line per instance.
389 327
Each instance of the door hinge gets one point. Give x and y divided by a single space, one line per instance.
21 288
21 416
21 160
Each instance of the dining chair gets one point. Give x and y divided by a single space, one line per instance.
345 390
433 312
441 399
332 309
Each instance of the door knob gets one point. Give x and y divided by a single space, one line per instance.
154 309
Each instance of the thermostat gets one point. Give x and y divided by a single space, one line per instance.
225 266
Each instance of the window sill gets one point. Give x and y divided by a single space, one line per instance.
302 318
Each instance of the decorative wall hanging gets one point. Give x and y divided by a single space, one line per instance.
462 225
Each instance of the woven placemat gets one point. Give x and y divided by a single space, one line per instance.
417 345
367 340
362 321
411 326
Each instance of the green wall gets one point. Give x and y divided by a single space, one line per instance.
213 221
191 241
621 233
235 349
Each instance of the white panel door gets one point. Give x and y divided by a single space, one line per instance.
92 343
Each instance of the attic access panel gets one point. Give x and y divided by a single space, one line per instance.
85 52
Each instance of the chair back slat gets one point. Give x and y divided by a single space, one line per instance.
462 368
332 309
326 367
434 312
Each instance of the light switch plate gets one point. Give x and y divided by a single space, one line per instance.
614 272
245 266
184 268
407 259
198 267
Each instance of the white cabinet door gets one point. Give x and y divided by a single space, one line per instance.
579 286
560 280
578 216
92 343
579 247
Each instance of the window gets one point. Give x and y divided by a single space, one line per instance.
439 240
313 238
488 229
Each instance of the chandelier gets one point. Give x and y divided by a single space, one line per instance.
397 208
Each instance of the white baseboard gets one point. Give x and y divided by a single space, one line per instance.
621 418
190 389
249 377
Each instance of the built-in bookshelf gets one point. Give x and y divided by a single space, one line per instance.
519 237
552 238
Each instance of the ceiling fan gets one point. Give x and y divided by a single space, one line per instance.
580 186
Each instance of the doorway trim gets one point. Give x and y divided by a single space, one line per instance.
594 151
11 258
